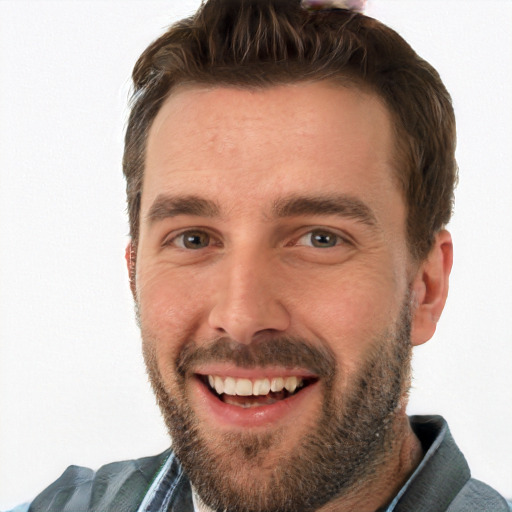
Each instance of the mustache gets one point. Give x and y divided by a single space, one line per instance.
279 351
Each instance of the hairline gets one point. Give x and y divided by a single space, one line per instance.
340 79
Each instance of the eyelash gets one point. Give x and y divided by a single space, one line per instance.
172 241
339 239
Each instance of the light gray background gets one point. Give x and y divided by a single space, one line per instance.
73 386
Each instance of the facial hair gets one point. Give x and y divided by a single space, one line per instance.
343 448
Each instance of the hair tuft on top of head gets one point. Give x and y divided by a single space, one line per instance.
349 5
263 43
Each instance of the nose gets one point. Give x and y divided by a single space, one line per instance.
247 301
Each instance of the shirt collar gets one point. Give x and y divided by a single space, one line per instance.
437 479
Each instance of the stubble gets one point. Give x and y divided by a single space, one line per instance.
342 449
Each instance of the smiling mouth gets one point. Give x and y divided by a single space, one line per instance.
254 392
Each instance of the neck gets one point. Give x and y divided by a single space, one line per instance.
390 475
378 490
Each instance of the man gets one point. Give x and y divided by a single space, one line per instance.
290 173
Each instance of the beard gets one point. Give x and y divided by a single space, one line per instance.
340 450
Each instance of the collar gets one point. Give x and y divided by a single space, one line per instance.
440 475
442 472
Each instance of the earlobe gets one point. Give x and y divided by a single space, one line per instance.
430 289
129 256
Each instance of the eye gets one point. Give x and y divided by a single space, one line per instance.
320 239
193 239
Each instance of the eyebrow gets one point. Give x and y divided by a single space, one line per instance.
168 206
343 205
340 205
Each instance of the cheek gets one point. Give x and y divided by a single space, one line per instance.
348 309
170 308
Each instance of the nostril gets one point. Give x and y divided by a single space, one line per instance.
245 323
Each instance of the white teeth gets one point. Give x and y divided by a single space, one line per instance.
219 385
243 387
261 387
229 386
277 384
291 384
258 387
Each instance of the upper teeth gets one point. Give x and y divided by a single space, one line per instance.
247 387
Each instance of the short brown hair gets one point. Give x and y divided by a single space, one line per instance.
260 43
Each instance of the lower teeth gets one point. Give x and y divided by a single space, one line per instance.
254 401
247 405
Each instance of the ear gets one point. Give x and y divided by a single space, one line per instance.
130 257
430 288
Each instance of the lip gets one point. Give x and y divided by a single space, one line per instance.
229 416
223 370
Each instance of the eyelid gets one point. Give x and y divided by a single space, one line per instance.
307 240
342 237
169 239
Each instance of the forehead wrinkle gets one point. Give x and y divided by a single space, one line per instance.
166 206
341 205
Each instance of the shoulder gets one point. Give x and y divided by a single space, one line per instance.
443 478
476 495
121 483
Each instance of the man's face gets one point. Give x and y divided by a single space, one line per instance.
272 283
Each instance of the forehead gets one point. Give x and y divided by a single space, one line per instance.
287 139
